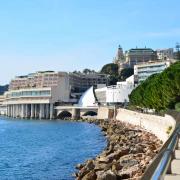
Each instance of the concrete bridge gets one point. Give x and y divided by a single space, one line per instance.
75 112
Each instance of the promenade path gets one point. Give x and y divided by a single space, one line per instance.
174 168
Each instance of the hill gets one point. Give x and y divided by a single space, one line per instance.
159 91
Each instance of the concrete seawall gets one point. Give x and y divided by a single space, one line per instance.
157 125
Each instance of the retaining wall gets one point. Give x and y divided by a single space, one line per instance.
105 113
157 125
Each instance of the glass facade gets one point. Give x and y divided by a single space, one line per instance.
30 93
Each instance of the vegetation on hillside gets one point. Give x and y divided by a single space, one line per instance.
125 73
85 71
3 89
114 75
159 91
177 107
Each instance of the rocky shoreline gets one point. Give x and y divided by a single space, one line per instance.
129 151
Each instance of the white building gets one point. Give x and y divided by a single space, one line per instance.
34 96
3 108
115 94
88 99
165 54
143 71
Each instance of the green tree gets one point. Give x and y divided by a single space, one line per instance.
112 70
159 91
125 73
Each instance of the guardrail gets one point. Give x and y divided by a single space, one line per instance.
160 166
163 166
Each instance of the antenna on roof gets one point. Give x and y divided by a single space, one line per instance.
177 47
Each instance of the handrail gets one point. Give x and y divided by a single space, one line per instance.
163 166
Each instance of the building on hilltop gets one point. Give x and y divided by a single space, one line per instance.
143 71
119 56
165 54
134 56
139 55
120 59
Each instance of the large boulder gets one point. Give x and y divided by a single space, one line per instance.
90 176
106 175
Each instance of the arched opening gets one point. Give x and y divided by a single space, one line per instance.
64 115
90 113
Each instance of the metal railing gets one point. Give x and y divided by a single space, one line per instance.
161 163
163 166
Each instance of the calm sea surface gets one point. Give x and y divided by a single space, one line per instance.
34 149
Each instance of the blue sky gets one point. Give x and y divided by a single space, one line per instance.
67 35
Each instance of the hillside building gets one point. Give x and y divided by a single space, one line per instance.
139 56
165 54
117 94
143 71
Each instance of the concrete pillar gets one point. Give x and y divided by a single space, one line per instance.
15 110
11 110
75 113
22 111
32 111
51 111
13 115
28 110
36 110
41 112
7 110
47 111
19 110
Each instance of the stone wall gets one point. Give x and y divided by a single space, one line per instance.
105 113
158 125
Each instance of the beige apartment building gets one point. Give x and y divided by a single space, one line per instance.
34 95
80 82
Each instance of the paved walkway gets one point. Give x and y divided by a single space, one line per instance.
175 165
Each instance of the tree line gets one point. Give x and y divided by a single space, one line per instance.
159 91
